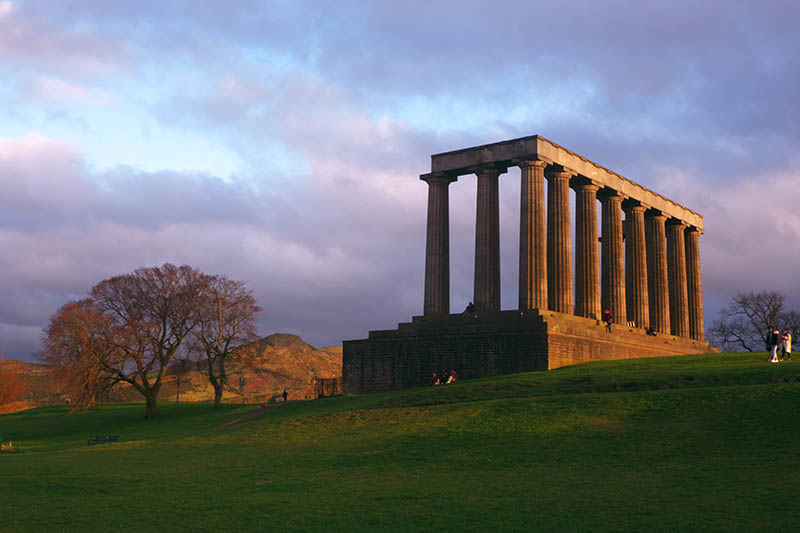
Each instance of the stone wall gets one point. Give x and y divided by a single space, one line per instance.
488 344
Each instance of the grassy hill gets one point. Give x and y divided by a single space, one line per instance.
678 443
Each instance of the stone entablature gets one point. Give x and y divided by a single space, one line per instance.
511 153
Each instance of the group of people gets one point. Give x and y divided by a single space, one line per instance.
442 378
608 318
778 342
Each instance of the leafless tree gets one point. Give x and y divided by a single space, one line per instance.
743 324
152 312
77 344
134 326
180 369
225 320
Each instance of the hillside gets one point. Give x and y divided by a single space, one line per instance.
39 379
666 444
281 361
258 373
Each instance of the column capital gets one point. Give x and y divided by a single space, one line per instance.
610 194
559 174
694 229
655 214
676 224
582 182
438 177
634 205
527 163
489 170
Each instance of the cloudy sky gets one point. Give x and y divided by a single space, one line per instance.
280 142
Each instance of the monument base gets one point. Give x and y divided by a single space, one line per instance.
487 344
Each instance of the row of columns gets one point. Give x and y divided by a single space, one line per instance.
655 281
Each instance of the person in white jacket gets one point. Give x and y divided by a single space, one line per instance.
787 345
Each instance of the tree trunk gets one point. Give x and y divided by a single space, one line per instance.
151 407
217 394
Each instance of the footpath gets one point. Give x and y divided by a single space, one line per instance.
258 412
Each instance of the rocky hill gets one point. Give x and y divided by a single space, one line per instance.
258 373
281 361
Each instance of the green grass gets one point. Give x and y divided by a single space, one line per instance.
682 443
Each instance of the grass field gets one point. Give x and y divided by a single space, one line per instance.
681 443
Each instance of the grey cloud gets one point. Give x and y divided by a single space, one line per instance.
327 222
317 253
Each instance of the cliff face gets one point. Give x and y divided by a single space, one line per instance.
290 356
281 361
258 372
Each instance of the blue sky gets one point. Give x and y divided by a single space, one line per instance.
280 142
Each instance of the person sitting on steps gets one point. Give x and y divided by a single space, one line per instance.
608 318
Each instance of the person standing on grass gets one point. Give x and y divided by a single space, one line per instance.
285 395
773 339
787 345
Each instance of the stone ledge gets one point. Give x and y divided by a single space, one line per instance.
485 344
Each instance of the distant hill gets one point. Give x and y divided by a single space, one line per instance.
39 378
258 373
281 361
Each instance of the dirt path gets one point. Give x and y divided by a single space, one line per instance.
258 412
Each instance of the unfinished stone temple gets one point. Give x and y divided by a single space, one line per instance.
645 270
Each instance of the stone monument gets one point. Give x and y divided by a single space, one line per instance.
645 270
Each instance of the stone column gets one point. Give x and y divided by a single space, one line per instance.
532 237
694 285
676 268
487 242
658 285
437 245
636 265
559 243
613 262
587 275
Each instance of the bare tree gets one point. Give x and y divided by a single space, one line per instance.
152 312
225 320
128 331
180 369
77 344
134 326
743 324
